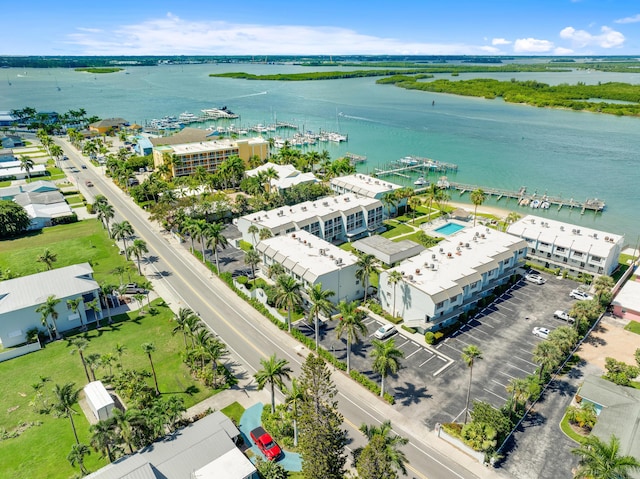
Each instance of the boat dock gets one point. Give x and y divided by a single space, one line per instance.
355 159
414 164
525 198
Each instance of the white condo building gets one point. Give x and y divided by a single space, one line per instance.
554 244
335 219
288 176
310 260
448 279
367 186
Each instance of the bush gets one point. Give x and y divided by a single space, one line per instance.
408 329
375 308
370 385
429 337
260 283
90 208
242 280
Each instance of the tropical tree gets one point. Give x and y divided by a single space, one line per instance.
79 344
26 164
13 219
215 240
106 290
77 454
137 249
366 266
105 213
390 200
103 438
547 355
122 231
187 323
93 362
477 198
265 233
64 399
602 287
433 194
252 258
602 460
272 372
149 348
319 304
74 306
274 270
293 397
253 231
394 278
287 295
386 359
470 355
351 325
414 202
48 308
214 350
47 258
511 218
384 446
519 390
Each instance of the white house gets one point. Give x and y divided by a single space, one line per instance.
335 219
288 176
367 186
448 279
99 400
311 260
20 297
554 244
44 208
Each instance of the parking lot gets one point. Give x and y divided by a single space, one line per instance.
433 380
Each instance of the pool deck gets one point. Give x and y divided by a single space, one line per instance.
430 228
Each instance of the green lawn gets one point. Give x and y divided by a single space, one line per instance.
395 229
73 243
633 326
41 451
73 199
234 412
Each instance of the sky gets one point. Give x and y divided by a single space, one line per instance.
322 27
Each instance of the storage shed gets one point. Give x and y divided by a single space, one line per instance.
99 400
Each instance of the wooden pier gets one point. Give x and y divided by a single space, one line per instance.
414 164
525 198
354 159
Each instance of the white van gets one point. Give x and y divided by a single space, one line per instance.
384 331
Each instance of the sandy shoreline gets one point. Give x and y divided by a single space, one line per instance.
484 209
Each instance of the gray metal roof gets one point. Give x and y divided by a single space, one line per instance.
33 290
39 198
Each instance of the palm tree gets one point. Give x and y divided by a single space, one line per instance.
390 444
76 456
149 348
103 437
48 308
93 361
386 359
122 231
26 164
470 355
47 258
414 202
366 266
510 219
274 270
137 249
603 286
320 303
215 239
65 397
293 397
214 350
106 290
74 305
394 278
105 213
265 233
186 320
79 344
287 295
351 324
519 390
252 258
390 200
477 198
273 371
190 227
253 231
602 460
547 355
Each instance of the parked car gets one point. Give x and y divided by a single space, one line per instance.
133 288
580 295
84 167
541 332
88 183
535 278
564 316
266 444
385 331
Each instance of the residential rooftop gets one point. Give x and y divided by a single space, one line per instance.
364 185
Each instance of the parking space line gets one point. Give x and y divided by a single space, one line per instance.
425 362
526 361
498 383
443 367
519 369
416 351
455 419
508 375
496 395
400 345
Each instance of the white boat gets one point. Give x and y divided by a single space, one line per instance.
216 113
535 204
545 205
187 117
443 183
420 181
408 161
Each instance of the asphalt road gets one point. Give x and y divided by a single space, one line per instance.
251 337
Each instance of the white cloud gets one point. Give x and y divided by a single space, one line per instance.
500 41
532 45
173 35
608 37
633 19
562 51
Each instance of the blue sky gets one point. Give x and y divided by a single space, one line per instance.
321 27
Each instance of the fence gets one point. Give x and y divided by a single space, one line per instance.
20 351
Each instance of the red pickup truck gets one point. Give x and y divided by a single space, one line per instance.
266 444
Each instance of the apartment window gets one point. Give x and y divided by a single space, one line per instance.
596 259
474 285
577 254
440 305
560 249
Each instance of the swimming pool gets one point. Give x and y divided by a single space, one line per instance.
449 229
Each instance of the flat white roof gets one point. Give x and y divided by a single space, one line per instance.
460 258
97 394
207 146
330 206
306 254
567 235
231 465
629 296
365 185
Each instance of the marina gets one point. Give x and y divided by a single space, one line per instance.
414 164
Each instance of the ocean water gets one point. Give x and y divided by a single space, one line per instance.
562 153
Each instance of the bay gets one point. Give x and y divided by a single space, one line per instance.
495 144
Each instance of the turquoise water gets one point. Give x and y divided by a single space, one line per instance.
449 229
562 153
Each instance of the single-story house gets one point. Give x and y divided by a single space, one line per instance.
288 176
626 304
108 125
12 169
11 141
40 186
205 449
20 297
43 208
